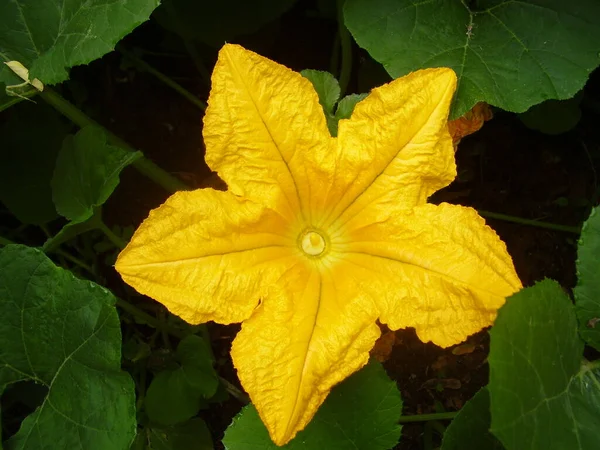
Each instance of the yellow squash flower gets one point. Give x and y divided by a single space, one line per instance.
318 237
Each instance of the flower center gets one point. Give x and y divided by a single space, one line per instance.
312 243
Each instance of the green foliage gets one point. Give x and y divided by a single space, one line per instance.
587 291
48 36
193 434
63 333
328 90
542 396
175 396
327 87
554 116
509 54
361 413
470 428
217 22
31 139
87 172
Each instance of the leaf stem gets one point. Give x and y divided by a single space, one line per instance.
530 222
74 260
235 392
117 241
5 241
148 318
145 67
428 417
187 42
346 43
143 165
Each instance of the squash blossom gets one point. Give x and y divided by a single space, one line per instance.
471 122
318 237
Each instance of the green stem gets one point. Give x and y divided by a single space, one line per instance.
428 417
530 222
117 241
4 241
235 392
75 260
187 43
144 165
144 66
148 318
346 43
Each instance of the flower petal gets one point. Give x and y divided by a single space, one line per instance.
308 334
262 120
206 255
395 149
439 269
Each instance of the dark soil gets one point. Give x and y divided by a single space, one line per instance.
504 168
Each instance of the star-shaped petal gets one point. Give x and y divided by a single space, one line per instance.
319 237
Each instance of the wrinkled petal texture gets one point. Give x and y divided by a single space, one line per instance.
395 150
262 124
206 255
309 333
439 269
309 320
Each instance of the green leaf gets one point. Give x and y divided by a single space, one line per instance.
327 88
50 36
63 333
470 428
347 104
196 360
175 396
216 22
170 399
509 54
193 434
541 395
360 413
553 116
31 139
87 172
587 291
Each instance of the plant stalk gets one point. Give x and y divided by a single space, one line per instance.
117 241
145 67
428 417
346 44
5 241
143 165
530 222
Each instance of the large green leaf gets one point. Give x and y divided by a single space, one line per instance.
510 54
469 430
216 22
360 413
31 139
87 172
63 333
175 396
50 36
587 291
542 397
